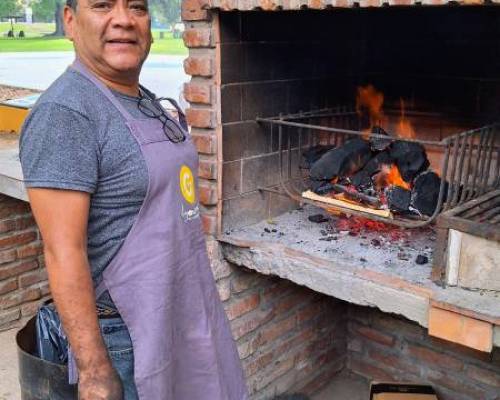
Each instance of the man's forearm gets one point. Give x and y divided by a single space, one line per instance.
72 289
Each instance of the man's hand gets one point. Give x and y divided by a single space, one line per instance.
102 383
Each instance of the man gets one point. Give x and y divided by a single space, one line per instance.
110 180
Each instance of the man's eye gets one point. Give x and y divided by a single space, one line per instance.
102 5
138 5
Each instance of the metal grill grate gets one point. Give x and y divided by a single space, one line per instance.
470 164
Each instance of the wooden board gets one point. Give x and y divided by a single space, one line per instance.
344 204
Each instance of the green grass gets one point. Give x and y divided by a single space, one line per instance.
36 40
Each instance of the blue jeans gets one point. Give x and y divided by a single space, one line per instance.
119 345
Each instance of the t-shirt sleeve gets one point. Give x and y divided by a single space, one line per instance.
58 149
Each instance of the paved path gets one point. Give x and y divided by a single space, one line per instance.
9 384
163 74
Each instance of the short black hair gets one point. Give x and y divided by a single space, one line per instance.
71 3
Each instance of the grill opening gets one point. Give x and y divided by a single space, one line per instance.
467 162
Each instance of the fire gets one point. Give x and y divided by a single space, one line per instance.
390 176
370 100
405 129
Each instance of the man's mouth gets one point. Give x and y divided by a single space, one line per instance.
121 41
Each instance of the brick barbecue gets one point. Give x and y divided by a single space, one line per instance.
309 301
257 64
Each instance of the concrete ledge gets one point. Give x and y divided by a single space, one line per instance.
363 286
11 176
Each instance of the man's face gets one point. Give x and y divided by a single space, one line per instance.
113 36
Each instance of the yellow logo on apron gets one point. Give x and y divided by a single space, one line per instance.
187 184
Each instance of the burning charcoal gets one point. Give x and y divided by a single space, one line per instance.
410 158
314 153
318 218
425 192
421 259
398 199
376 243
363 179
321 187
379 144
353 233
341 161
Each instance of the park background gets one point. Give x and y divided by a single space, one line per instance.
34 51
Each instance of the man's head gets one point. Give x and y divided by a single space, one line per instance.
112 37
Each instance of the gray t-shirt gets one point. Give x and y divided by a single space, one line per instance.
74 138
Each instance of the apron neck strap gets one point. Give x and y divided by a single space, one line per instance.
182 116
78 66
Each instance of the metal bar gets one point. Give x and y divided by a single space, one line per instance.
458 176
289 156
482 157
488 161
488 214
465 192
470 195
453 184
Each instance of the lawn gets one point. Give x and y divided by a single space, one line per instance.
36 40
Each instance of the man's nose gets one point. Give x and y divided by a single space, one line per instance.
122 15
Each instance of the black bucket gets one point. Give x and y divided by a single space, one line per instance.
40 379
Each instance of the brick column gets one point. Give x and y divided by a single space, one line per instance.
203 92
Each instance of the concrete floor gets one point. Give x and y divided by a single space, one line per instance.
9 385
345 388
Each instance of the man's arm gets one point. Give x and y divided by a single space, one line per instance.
62 218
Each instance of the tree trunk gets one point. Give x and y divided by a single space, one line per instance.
59 21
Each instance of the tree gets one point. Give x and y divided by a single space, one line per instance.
43 10
166 11
10 8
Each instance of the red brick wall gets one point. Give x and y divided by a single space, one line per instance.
386 347
23 280
289 338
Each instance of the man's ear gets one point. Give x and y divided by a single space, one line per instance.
69 21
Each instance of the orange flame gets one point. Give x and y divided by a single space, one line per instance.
389 176
405 129
370 100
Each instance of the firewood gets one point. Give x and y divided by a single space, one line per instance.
345 204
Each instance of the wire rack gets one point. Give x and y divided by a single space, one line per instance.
470 161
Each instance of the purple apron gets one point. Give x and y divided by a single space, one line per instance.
161 281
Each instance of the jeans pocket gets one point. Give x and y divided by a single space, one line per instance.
116 337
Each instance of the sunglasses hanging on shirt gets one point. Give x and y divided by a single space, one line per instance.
151 107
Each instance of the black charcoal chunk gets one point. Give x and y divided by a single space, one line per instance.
421 259
318 218
363 178
410 158
321 187
398 198
379 144
313 154
425 192
342 161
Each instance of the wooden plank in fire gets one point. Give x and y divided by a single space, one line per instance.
345 204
